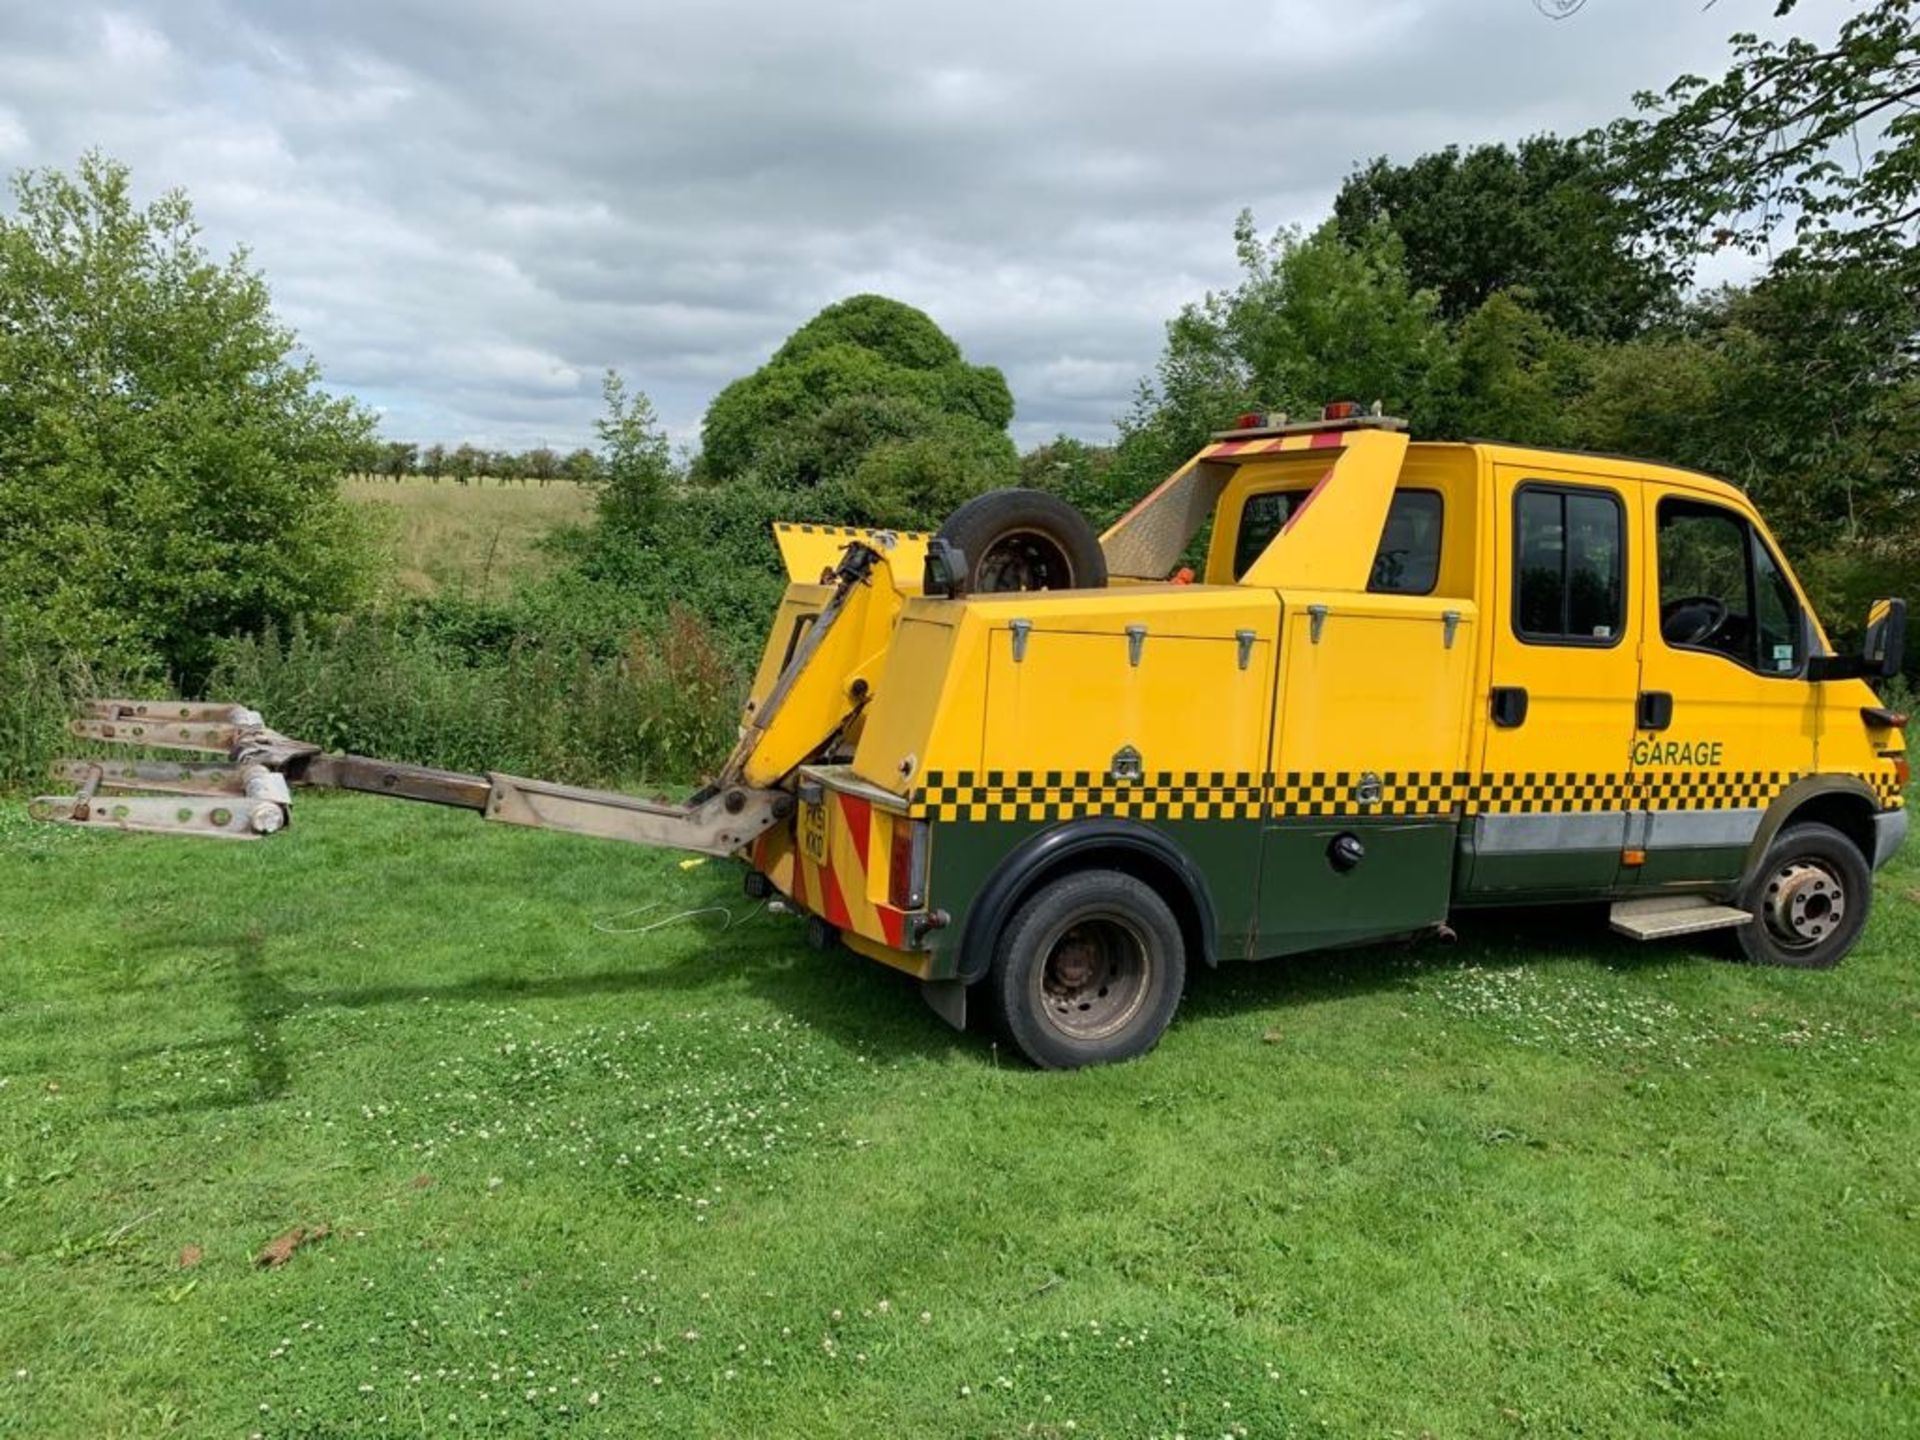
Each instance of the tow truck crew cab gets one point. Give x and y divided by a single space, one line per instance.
1407 678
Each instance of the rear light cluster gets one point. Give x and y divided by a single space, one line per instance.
907 866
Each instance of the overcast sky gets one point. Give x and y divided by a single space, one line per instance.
470 208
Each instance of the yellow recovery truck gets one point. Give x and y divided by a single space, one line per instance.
1054 772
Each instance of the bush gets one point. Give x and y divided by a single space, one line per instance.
661 709
169 465
39 690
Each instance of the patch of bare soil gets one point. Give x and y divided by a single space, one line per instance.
280 1249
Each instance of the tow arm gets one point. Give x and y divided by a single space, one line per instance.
246 793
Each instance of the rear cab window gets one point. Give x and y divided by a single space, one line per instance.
1407 562
1570 565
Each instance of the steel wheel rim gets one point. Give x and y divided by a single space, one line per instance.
1804 903
1093 980
1024 560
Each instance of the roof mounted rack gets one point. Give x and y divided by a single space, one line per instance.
1340 415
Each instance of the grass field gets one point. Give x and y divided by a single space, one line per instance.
580 1180
476 538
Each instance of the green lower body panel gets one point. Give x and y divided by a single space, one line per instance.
965 854
1276 887
1317 890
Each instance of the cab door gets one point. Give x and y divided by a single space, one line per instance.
1551 801
1726 717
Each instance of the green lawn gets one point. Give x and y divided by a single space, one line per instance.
1538 1182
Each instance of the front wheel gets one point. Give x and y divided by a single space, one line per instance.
1088 971
1809 900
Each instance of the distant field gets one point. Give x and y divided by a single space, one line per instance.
473 538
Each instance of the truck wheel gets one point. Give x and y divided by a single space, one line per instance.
1089 970
1809 900
1025 540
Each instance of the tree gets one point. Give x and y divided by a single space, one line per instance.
1785 389
1541 220
1081 474
1313 319
506 465
1809 152
466 463
1814 144
581 466
1511 374
169 463
433 462
364 459
636 471
863 373
540 464
397 459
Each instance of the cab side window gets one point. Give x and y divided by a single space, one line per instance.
1407 562
1722 591
1570 565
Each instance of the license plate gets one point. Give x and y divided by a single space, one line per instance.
813 832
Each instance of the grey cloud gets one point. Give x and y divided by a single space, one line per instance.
470 210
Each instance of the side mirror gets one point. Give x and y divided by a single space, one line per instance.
1882 652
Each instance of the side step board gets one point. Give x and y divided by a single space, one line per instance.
1659 917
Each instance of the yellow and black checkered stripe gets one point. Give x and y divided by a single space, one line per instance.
968 795
1027 795
1886 789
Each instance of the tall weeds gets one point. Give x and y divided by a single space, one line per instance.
663 709
38 692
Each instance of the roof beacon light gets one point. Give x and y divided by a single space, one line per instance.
1252 420
1340 410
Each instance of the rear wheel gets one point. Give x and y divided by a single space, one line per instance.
1088 971
1809 900
1025 540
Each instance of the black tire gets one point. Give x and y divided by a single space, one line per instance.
1809 898
1025 540
1088 971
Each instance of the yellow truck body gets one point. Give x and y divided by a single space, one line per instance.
1413 677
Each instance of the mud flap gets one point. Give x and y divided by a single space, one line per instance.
947 999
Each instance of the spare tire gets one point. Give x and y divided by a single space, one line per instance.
1025 540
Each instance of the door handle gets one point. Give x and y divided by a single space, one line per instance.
1655 710
1509 706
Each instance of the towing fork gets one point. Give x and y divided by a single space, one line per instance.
248 794
246 791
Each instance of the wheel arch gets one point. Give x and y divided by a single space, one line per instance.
1110 843
1841 801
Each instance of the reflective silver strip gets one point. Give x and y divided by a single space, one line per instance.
1701 829
1617 830
1889 833
1560 830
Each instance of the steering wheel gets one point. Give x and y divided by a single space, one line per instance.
1692 619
